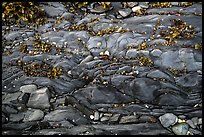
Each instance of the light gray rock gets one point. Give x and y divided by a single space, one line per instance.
187 56
200 121
125 12
13 35
195 120
143 53
131 53
28 88
191 124
180 129
34 115
96 115
132 4
168 119
67 16
105 118
39 99
114 118
170 59
182 116
129 119
55 10
156 52
87 59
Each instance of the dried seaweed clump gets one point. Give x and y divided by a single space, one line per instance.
39 69
42 46
110 31
179 30
161 5
145 61
18 12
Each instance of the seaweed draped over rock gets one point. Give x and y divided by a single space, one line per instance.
18 12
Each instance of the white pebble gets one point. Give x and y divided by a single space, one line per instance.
91 117
107 53
134 9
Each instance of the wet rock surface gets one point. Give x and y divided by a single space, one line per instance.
123 66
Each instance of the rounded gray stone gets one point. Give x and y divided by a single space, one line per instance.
105 119
168 119
131 53
156 52
180 129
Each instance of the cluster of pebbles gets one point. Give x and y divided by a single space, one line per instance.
103 68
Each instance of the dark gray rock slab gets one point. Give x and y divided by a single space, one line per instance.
188 80
12 97
144 89
159 74
69 114
16 117
129 129
100 95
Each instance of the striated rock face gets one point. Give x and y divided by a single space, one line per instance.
102 68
